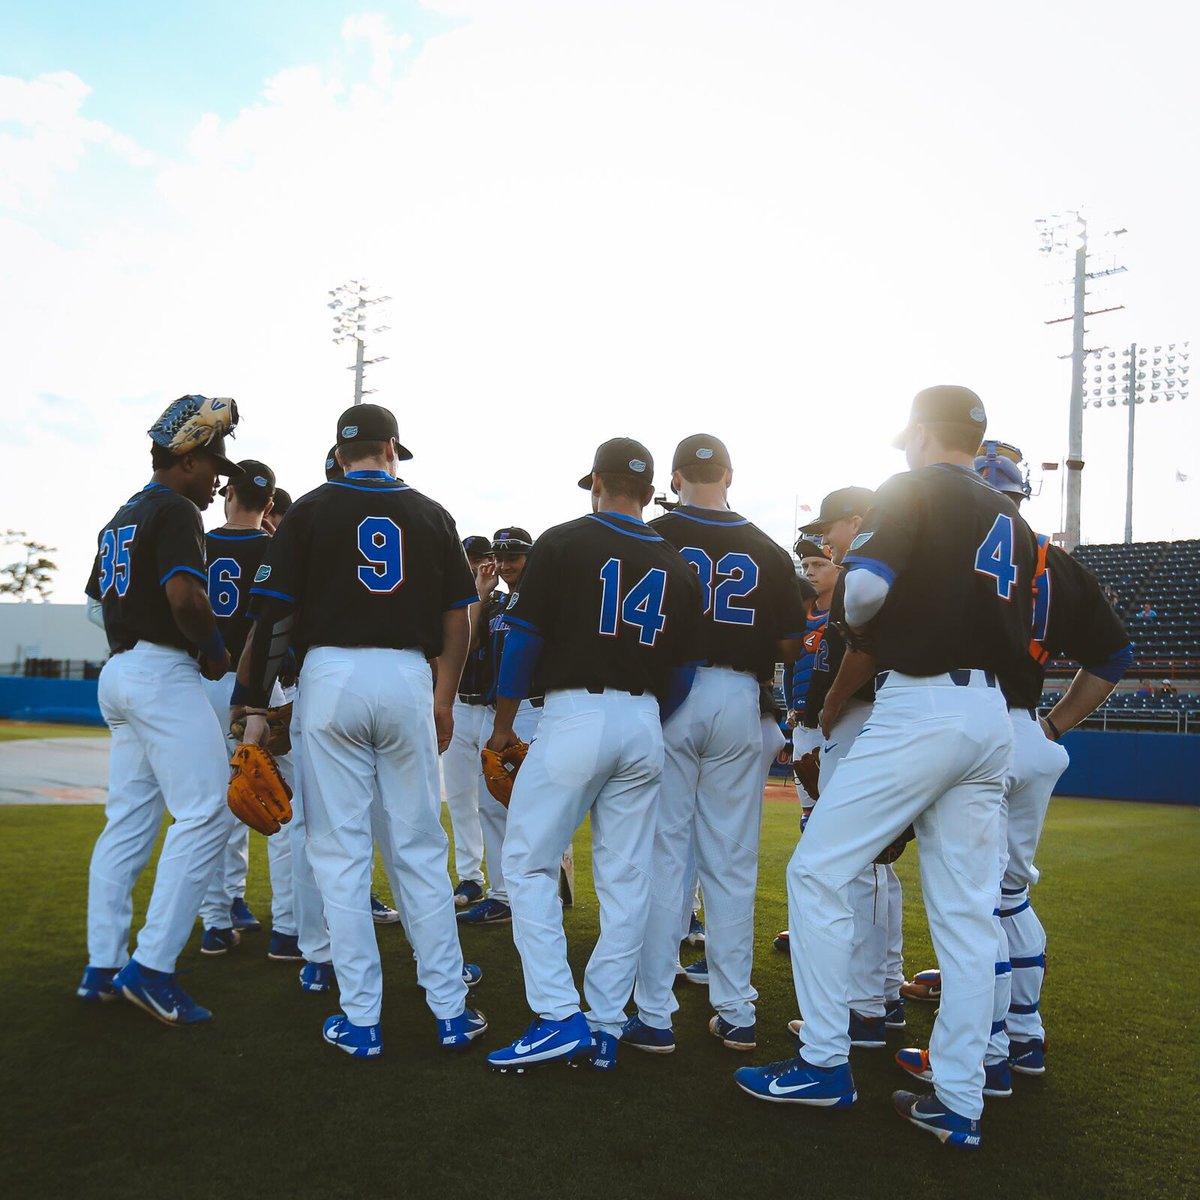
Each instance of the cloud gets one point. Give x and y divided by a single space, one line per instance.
52 136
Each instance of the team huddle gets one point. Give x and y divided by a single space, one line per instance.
623 674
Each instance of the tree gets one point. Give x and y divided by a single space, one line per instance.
33 573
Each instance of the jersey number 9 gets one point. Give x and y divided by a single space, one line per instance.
381 543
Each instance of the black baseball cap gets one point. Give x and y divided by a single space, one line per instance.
477 546
215 449
283 501
621 456
370 423
333 469
845 502
512 539
701 448
946 404
256 478
807 548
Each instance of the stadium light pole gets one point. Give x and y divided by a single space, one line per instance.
351 303
1066 234
1165 379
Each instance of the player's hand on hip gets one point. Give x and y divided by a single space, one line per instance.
501 739
215 668
443 724
829 715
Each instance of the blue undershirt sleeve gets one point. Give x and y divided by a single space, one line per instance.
523 647
1113 669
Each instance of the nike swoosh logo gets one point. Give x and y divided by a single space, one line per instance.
775 1090
529 1047
169 1013
830 746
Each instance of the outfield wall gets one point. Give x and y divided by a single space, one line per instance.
1162 767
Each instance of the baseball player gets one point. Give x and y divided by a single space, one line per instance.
370 578
937 588
1072 619
234 553
510 549
461 773
606 618
712 786
168 750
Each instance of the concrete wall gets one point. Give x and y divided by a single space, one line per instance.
49 631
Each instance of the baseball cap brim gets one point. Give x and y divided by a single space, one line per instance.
586 481
225 467
815 527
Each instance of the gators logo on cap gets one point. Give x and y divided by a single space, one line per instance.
349 431
636 464
260 480
704 452
978 415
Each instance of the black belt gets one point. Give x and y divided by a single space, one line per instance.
599 690
1029 712
472 698
958 678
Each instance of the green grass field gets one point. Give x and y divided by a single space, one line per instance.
11 731
105 1102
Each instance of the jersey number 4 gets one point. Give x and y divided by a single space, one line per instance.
381 543
994 558
641 606
114 559
731 578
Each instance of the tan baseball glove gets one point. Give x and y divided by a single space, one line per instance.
259 795
500 769
279 729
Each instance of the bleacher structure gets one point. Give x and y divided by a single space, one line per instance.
1165 578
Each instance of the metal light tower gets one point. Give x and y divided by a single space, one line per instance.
1166 379
350 304
1063 234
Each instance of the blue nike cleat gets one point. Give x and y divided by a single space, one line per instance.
794 1081
916 1062
242 917
545 1042
285 947
381 913
926 986
96 986
489 912
471 974
894 1017
359 1041
695 933
735 1037
783 941
697 972
641 1036
219 941
868 1033
461 1031
1029 1058
159 993
929 1113
467 893
604 1051
317 977
997 1079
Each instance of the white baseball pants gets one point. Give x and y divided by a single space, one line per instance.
369 742
1021 960
229 879
312 932
493 816
167 752
461 773
603 755
936 755
711 802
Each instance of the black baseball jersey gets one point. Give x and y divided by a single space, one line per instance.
494 630
752 598
616 606
366 561
1072 619
234 556
155 535
959 561
478 677
827 660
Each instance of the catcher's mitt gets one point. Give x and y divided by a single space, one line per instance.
890 853
807 769
191 422
279 727
258 793
500 769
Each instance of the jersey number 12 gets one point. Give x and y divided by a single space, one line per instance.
641 606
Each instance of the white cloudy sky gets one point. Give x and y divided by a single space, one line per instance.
770 221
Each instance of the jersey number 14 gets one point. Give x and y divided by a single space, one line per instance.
641 607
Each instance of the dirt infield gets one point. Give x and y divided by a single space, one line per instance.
67 770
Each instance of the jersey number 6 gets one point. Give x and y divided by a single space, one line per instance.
640 607
381 543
